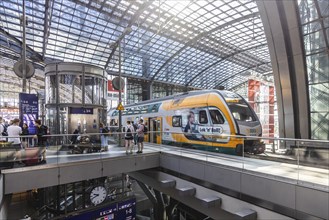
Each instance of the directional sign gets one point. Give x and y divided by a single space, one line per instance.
120 107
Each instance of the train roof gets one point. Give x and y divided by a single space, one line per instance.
180 95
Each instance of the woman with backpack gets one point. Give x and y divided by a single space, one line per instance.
129 137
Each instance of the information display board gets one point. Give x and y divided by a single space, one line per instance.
125 210
28 110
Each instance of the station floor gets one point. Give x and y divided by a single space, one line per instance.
291 172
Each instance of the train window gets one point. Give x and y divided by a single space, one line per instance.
144 109
177 121
113 122
203 119
216 117
241 111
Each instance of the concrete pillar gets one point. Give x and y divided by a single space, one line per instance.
284 37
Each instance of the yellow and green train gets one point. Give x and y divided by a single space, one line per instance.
209 119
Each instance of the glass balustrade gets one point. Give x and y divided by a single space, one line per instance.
302 162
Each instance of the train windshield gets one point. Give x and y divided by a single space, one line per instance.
239 107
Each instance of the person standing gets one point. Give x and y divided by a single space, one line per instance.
25 131
104 136
41 130
140 134
13 134
2 130
74 138
134 124
129 137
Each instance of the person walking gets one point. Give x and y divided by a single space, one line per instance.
41 130
140 134
13 134
129 137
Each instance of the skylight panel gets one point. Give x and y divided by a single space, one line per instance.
202 11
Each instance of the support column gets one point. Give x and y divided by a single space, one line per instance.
147 91
285 42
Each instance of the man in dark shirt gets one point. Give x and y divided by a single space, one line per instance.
41 130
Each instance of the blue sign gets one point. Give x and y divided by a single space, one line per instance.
125 210
107 212
28 110
88 111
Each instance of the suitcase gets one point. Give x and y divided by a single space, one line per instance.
32 156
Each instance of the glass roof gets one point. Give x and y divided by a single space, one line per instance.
10 82
193 43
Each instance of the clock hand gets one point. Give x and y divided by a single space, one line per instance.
94 196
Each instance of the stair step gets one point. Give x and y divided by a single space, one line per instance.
168 183
246 214
186 191
210 201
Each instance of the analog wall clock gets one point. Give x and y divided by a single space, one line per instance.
98 195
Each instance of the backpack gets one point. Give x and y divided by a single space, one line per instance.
145 129
128 134
4 133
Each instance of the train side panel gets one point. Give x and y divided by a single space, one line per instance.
207 119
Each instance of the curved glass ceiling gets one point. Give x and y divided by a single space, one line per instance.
200 44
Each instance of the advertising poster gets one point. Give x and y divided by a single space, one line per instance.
28 110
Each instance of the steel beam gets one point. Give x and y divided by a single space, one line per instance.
200 36
130 23
36 55
46 26
223 59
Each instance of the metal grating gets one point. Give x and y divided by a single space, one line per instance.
211 42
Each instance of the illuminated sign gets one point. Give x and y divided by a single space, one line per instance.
87 111
28 110
125 210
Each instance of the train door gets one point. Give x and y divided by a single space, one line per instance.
146 123
220 126
155 130
158 130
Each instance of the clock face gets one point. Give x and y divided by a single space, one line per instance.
98 195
